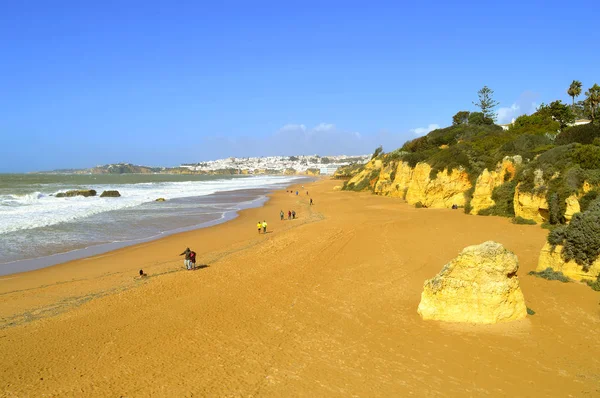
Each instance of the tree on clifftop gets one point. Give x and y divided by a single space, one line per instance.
377 152
461 117
559 112
593 99
574 90
486 103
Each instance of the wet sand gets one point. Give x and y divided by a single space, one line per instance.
324 305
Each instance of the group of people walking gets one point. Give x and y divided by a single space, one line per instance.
190 255
189 260
263 226
291 214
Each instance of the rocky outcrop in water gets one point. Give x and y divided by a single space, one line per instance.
479 286
76 192
110 194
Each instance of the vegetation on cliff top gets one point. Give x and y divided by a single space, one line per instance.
559 159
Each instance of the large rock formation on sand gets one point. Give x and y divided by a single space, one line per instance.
479 286
551 257
76 192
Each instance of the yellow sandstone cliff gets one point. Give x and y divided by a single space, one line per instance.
487 181
415 185
479 286
552 258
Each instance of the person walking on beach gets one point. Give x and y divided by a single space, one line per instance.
311 201
192 261
281 215
294 214
259 225
289 214
264 225
187 252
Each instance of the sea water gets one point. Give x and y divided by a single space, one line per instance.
38 229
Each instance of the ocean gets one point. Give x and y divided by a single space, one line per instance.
37 229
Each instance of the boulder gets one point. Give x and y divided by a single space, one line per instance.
478 286
110 194
76 192
160 200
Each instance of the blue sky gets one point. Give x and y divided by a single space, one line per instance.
163 83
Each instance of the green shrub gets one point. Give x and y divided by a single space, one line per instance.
361 185
530 311
585 200
418 205
526 145
504 196
468 197
594 284
551 275
451 158
521 220
583 134
581 238
587 156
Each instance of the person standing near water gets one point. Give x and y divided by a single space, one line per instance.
186 261
264 225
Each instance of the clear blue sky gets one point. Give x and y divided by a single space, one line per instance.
162 83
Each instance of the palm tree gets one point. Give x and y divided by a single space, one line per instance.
593 99
574 90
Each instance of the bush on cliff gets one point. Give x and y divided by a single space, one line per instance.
583 134
580 238
503 196
594 284
587 199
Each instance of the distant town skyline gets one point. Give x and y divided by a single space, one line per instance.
156 84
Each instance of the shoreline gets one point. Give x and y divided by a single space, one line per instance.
324 305
78 269
33 264
94 249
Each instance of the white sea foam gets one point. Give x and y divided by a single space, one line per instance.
41 209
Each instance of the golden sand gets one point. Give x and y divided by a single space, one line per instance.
321 306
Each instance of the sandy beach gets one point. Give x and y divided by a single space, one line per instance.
321 306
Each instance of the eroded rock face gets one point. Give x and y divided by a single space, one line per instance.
533 206
572 207
367 178
487 181
443 191
552 258
478 286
